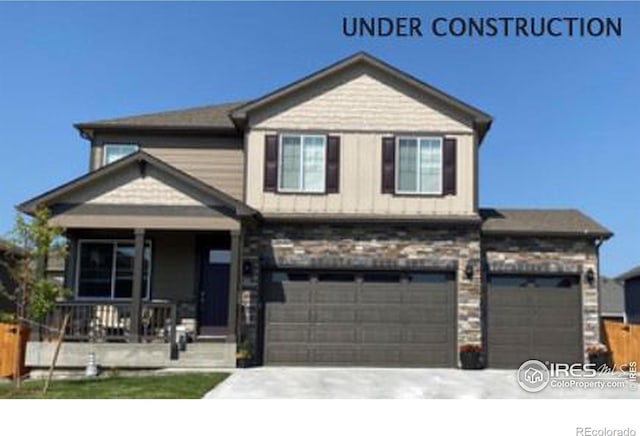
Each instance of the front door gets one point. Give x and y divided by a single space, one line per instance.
214 291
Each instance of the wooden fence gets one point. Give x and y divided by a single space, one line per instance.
623 341
8 338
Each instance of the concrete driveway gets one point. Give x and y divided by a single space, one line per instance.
286 382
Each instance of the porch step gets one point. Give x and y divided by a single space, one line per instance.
207 355
209 339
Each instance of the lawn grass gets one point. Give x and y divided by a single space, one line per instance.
180 386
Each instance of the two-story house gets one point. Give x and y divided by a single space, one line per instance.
334 221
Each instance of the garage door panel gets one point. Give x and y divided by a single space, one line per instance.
434 297
379 314
380 334
292 313
547 337
440 356
385 355
288 292
509 336
426 315
346 333
287 355
337 293
509 317
332 354
555 316
508 298
333 314
379 293
287 333
420 335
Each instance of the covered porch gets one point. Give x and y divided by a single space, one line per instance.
153 268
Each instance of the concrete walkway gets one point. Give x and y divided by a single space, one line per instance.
285 382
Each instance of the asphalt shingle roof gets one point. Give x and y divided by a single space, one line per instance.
631 274
205 117
547 222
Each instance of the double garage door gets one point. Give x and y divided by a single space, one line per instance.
408 319
360 319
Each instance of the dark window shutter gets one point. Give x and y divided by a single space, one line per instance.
270 163
388 165
332 182
449 166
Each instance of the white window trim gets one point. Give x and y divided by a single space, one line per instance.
114 243
105 147
418 172
301 190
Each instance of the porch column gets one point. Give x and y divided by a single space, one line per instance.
234 275
136 292
70 262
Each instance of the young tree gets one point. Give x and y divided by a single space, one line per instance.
33 295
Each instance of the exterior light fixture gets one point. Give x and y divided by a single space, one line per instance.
590 276
468 271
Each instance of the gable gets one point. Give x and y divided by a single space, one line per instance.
140 191
361 102
129 186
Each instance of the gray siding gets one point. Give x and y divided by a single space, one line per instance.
216 160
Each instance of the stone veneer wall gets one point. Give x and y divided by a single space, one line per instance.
550 255
362 246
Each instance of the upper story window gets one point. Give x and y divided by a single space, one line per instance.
302 163
113 152
419 165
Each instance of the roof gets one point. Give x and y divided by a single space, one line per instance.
10 248
205 118
139 157
631 274
542 222
228 116
611 297
481 119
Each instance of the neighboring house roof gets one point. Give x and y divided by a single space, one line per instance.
9 247
482 121
205 118
611 297
140 158
226 116
631 274
542 222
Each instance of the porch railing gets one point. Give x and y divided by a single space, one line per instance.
107 321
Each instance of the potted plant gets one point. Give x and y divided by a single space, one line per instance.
471 356
244 354
599 355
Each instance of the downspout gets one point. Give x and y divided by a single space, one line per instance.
598 243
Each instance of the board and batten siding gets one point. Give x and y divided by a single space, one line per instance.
361 110
360 182
217 161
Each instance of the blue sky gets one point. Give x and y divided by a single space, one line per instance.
566 109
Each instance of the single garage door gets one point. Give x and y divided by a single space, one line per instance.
533 317
360 319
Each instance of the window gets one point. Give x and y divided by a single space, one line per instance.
113 152
105 269
419 165
302 163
